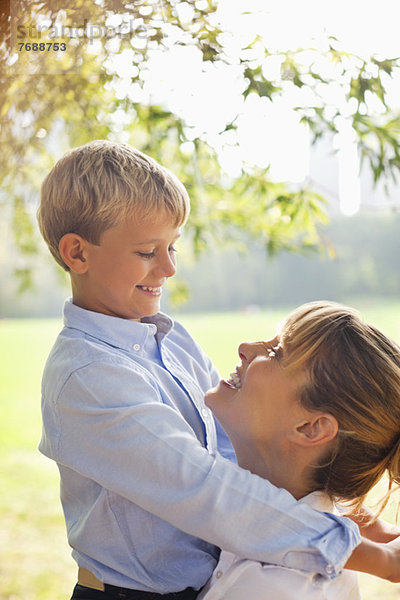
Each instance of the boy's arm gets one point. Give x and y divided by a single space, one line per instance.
117 432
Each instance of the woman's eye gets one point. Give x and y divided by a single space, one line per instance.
172 249
276 351
273 351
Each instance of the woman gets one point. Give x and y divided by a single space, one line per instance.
316 410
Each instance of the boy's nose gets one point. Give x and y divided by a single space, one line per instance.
170 269
167 266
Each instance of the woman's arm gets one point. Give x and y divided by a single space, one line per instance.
381 560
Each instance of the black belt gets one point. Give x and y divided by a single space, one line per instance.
95 589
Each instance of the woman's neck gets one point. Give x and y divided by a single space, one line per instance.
290 470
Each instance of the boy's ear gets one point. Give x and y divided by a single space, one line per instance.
73 251
316 430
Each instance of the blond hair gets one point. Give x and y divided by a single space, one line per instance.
354 374
95 186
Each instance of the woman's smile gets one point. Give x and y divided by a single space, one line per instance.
234 380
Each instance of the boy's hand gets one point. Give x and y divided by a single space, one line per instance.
379 559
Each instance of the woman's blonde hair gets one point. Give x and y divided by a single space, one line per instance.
354 374
95 186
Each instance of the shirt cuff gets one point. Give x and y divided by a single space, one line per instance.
327 554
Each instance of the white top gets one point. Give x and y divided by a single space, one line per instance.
235 578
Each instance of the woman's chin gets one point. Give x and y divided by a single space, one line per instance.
221 391
209 396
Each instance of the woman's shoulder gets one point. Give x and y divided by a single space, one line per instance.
235 579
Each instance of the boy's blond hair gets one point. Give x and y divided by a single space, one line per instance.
353 374
95 186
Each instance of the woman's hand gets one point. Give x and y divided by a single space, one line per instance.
377 531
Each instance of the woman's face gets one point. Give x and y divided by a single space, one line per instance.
258 404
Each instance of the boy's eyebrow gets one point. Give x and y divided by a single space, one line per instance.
154 240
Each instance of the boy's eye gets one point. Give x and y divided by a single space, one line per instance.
149 255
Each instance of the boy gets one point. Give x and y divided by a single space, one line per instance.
147 491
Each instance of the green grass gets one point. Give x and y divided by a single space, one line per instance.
35 561
34 555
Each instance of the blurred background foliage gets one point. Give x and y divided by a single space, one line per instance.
240 276
97 88
252 239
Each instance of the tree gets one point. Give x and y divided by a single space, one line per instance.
96 86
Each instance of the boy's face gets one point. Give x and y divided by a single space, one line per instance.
126 272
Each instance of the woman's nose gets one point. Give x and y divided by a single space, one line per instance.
247 351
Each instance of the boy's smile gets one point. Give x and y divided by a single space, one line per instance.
124 274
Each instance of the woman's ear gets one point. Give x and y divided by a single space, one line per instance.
73 251
318 429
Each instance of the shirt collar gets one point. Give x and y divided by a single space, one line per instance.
319 501
121 333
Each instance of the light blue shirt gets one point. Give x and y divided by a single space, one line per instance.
147 489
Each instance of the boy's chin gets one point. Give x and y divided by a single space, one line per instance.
148 311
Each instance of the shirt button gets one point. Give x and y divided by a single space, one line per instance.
205 413
218 574
329 569
136 347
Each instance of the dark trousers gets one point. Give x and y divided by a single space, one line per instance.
116 593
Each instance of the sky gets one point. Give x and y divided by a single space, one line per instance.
270 133
208 96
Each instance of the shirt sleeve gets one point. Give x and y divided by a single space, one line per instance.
224 444
114 429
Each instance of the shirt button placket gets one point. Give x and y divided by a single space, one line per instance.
205 413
